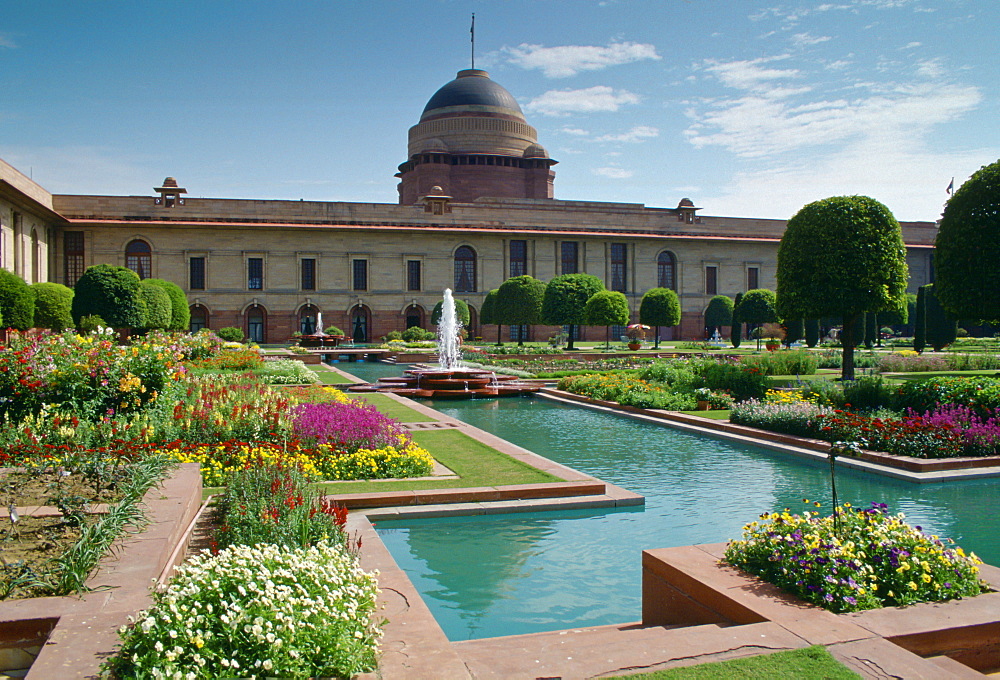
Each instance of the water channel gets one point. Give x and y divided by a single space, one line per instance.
521 573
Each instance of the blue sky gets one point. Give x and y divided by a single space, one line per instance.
751 109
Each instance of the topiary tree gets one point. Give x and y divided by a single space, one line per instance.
660 307
231 334
920 322
758 307
967 279
461 313
871 329
841 256
17 303
736 332
607 308
794 330
719 312
158 309
564 299
488 313
941 328
519 301
53 304
112 293
180 312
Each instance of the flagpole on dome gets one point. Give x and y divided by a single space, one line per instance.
951 187
472 31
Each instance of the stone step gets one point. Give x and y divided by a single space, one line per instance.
612 650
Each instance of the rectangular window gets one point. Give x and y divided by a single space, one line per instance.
255 273
570 257
413 275
360 274
753 278
711 280
72 257
518 258
519 333
196 273
619 273
308 273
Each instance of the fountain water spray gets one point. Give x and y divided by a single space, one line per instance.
448 342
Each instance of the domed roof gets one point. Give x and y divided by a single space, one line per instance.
433 145
473 87
535 151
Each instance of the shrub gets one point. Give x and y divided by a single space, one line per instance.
417 334
17 304
865 560
231 334
286 372
867 393
157 306
180 313
224 614
798 362
333 330
53 302
788 417
981 393
89 323
111 293
393 335
742 382
898 363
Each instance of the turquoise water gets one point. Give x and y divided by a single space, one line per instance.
523 573
369 371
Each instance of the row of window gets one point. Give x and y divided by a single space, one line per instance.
138 258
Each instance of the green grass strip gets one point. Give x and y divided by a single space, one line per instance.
811 663
392 408
714 414
328 377
474 462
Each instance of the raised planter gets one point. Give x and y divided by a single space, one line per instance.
72 635
689 586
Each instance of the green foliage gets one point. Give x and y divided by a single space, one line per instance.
461 312
393 335
758 306
867 393
968 248
794 330
17 304
871 329
111 293
920 321
519 301
333 330
719 312
812 332
797 362
660 307
607 308
53 302
180 313
565 297
940 327
488 312
979 393
742 382
416 334
158 307
736 332
231 334
90 323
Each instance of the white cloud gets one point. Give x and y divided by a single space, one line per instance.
636 134
909 46
576 132
613 173
7 41
749 75
807 40
600 98
568 60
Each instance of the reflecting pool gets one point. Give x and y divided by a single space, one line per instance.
522 573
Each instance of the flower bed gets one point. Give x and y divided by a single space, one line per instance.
854 559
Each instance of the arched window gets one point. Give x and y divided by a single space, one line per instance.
359 324
36 259
256 324
465 270
139 258
307 319
414 316
666 270
199 318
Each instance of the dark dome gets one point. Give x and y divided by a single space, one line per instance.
472 87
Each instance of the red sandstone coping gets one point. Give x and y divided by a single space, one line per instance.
881 462
82 630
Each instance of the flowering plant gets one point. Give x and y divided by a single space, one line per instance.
875 559
257 611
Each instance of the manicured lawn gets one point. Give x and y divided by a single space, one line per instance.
923 375
475 463
328 377
802 664
714 414
391 408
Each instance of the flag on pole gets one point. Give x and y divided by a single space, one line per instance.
951 187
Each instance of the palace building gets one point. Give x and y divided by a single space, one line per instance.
476 206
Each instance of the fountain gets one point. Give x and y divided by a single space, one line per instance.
319 337
451 381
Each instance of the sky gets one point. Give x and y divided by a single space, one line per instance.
751 109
